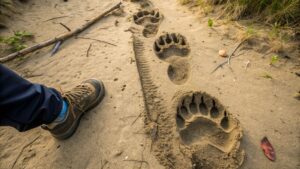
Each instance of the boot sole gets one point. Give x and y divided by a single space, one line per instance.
76 123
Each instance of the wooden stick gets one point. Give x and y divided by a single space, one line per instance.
58 38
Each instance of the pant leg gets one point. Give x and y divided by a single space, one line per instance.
25 105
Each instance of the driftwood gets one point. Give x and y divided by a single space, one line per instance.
58 38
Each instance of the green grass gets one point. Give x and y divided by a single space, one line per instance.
16 42
274 59
210 23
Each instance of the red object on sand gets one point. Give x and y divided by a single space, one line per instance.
268 149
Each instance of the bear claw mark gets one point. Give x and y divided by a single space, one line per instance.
143 17
200 110
209 131
171 44
150 19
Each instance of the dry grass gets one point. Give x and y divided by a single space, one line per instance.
281 12
6 6
275 22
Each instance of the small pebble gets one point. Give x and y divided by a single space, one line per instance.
223 53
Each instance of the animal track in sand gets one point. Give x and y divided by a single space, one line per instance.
174 49
171 44
150 19
209 131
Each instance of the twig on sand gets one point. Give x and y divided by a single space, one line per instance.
60 37
55 18
223 63
88 50
238 46
31 142
136 118
101 41
65 26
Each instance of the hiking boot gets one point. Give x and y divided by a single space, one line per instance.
80 99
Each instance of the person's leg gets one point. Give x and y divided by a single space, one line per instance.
24 105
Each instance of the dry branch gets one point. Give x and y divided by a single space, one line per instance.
58 38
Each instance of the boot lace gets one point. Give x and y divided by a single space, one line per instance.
77 95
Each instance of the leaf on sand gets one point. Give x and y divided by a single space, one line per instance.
268 149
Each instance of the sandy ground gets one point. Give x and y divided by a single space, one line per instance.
112 135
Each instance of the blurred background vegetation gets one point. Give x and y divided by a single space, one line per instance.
280 12
6 6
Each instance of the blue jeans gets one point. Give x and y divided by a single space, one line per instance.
25 105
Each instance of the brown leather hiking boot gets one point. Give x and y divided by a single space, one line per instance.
80 99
